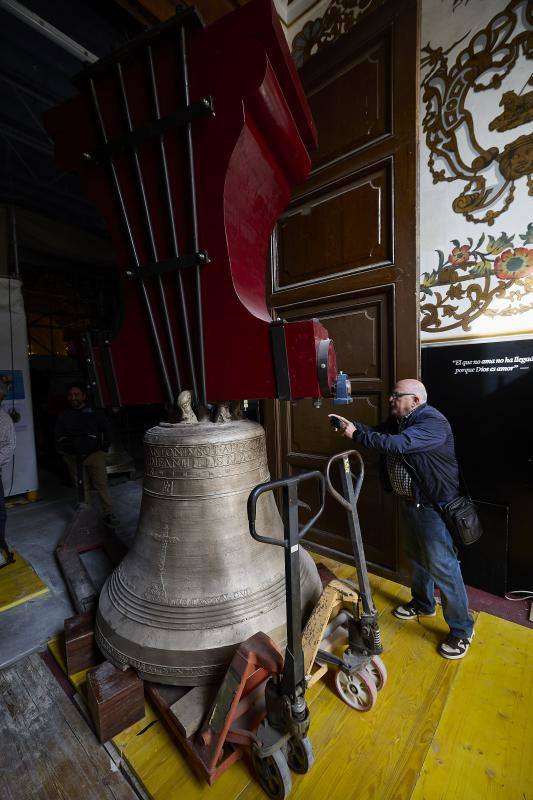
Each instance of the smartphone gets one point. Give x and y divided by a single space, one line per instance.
335 423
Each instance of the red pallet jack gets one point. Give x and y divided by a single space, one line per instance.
360 671
260 706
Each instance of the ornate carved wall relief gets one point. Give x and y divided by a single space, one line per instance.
339 17
487 175
493 278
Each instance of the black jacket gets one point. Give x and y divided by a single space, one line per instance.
82 431
427 449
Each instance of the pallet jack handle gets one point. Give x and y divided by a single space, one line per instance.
358 479
351 487
290 485
293 677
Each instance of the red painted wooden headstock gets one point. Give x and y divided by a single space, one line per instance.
227 100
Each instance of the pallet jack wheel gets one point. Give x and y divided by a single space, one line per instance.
378 672
273 774
300 756
357 690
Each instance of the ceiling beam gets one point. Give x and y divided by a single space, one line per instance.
151 11
49 31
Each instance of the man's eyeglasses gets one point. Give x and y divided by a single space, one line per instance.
396 395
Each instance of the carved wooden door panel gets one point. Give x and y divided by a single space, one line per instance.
345 252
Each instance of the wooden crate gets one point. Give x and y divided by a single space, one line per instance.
80 648
115 698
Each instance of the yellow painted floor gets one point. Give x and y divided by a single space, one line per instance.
19 583
441 730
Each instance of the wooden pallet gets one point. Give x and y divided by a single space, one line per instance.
85 531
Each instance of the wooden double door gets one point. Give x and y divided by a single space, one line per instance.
346 252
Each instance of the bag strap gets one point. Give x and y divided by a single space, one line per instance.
462 482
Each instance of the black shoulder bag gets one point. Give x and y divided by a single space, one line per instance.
460 515
462 520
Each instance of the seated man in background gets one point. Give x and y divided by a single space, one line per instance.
7 448
84 433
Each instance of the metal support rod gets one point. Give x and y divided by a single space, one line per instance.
27 139
49 31
148 220
42 96
109 371
175 243
19 95
355 535
14 242
129 233
192 186
90 367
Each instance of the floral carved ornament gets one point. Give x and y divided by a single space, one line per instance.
338 18
462 287
488 175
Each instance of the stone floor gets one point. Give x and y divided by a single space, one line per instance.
34 530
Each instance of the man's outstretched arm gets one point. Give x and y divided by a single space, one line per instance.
424 436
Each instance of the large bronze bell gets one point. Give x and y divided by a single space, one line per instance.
195 584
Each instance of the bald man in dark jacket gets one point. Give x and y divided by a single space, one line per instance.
421 467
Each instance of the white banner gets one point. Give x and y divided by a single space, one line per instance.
20 475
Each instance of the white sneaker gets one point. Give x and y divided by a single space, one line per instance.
410 611
454 648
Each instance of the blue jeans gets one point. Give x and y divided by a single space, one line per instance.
434 563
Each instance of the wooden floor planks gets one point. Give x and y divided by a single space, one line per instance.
19 583
153 757
47 751
483 746
378 755
441 730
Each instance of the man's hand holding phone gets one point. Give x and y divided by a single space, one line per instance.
343 425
